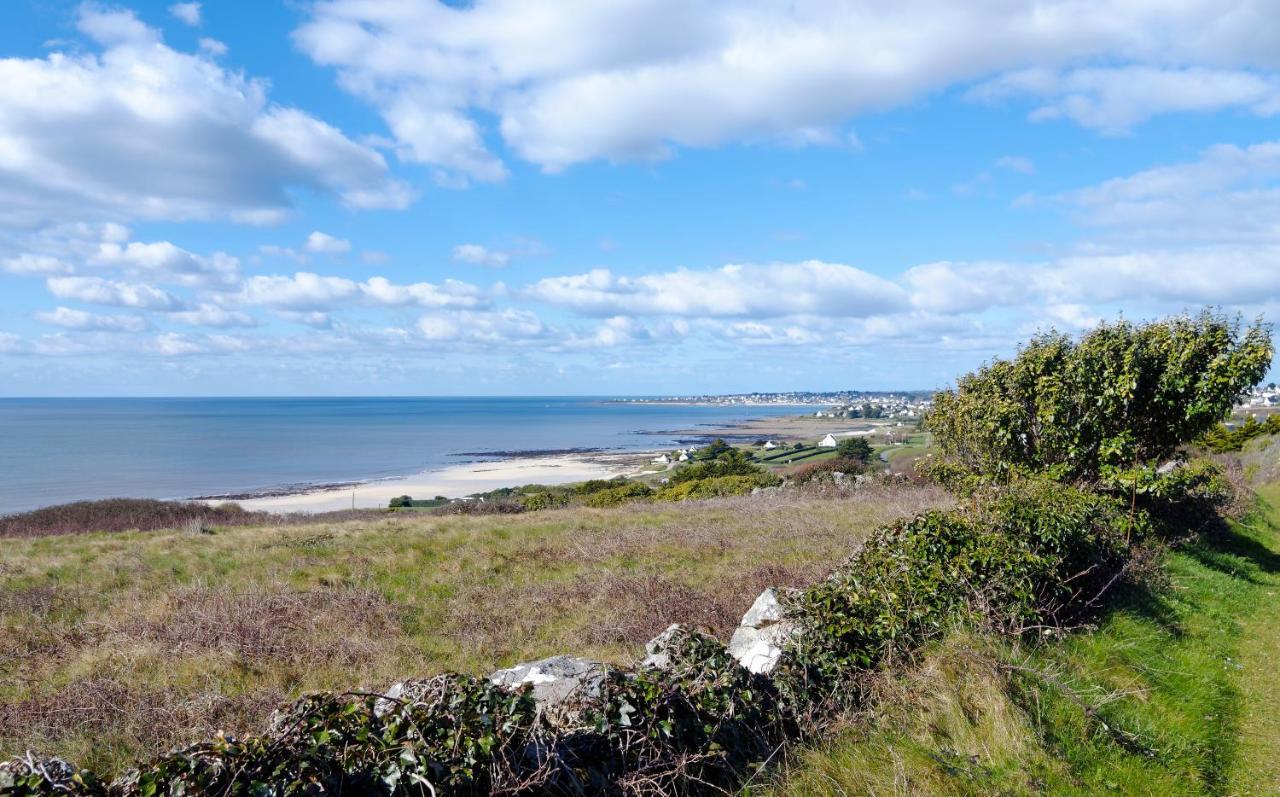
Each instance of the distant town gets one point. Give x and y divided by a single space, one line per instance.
835 404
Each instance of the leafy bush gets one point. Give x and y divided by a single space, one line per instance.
1123 396
1034 551
548 499
401 502
732 462
619 494
822 470
715 487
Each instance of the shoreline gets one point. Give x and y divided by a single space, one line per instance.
451 481
493 470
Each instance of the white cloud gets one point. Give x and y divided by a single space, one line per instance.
1229 194
95 290
210 315
755 333
163 261
174 344
478 255
308 291
577 80
212 46
79 320
187 13
626 331
323 243
1017 163
735 290
509 326
175 136
1115 99
33 265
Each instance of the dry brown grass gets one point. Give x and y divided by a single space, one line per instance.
115 646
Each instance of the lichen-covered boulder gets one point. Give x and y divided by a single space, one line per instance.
765 629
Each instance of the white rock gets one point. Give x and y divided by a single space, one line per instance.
556 679
758 641
657 648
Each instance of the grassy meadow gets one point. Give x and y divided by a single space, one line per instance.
117 646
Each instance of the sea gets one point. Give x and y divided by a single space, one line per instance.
58 450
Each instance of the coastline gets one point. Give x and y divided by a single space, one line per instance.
453 481
494 470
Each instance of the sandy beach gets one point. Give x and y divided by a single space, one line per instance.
453 482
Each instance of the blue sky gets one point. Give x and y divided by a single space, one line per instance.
616 196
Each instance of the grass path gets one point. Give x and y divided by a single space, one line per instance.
1256 770
1177 692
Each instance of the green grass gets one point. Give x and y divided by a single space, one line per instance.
1174 693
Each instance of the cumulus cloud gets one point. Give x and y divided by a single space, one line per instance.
33 265
213 46
211 315
308 291
477 255
175 136
165 262
1115 99
735 290
187 13
509 326
570 81
80 320
323 243
1229 194
96 290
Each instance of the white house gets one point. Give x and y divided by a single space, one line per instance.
828 442
662 459
769 445
684 456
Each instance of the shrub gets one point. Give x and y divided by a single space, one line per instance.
1220 439
1034 551
493 507
536 502
1122 396
732 462
715 487
618 494
124 514
823 469
401 502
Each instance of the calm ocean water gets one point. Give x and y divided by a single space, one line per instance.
58 450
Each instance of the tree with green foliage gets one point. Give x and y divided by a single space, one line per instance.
732 462
854 448
712 450
1121 399
1220 439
